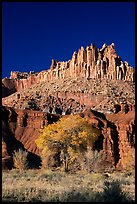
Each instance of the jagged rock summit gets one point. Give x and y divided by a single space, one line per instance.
91 63
97 78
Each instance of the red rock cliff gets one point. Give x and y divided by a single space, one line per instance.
22 127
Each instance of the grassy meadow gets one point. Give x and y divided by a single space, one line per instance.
55 186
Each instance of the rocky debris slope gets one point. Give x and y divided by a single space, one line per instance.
73 95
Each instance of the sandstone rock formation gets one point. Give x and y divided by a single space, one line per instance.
125 126
95 83
91 62
74 95
22 127
8 87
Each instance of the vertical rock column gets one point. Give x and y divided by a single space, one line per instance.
72 64
89 61
81 60
99 72
124 145
110 54
108 145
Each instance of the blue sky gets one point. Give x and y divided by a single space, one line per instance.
34 33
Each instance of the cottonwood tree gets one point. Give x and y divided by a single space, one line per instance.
69 136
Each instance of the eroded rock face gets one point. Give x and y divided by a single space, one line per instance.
118 137
91 62
8 87
22 127
125 127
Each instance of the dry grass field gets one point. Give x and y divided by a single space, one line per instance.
54 186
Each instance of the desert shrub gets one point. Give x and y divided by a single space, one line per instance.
20 159
52 186
90 160
112 192
50 161
49 175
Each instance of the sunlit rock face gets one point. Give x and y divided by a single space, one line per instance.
91 63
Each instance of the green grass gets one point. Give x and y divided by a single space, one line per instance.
50 186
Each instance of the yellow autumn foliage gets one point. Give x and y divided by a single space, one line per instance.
70 135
